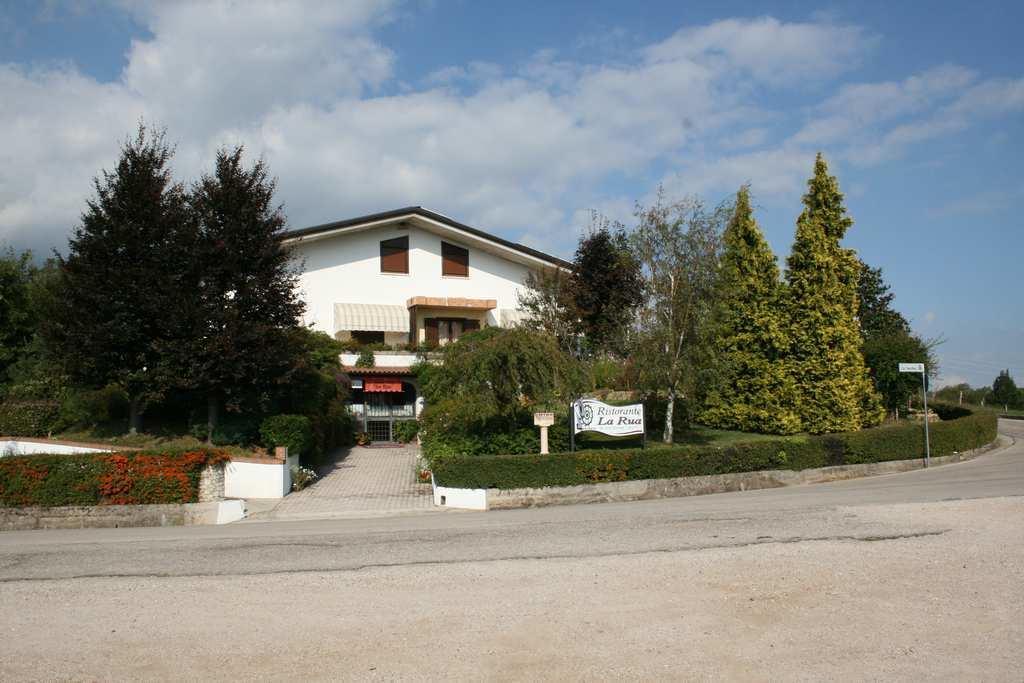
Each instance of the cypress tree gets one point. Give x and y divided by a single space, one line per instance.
833 388
749 389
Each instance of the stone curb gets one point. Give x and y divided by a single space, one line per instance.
647 489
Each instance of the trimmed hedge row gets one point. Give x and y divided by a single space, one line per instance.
897 442
28 418
104 478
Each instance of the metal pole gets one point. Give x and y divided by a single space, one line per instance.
572 426
924 400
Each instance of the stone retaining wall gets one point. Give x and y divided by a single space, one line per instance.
113 516
211 483
644 489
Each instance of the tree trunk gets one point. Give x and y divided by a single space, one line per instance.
134 415
212 416
669 410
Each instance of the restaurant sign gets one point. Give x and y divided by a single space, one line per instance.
590 415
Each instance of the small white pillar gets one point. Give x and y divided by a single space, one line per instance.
543 420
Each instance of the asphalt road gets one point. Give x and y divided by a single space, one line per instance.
911 575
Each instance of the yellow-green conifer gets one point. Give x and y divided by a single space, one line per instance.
749 388
833 389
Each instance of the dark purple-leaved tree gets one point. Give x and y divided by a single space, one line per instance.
122 278
246 308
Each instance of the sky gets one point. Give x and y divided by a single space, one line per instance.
522 118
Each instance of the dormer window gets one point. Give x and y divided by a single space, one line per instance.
394 255
454 260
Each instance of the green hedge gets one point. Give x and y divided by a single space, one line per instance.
897 442
134 478
29 418
293 431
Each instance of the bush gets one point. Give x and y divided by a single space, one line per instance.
406 430
29 418
366 359
334 428
104 478
87 408
880 444
302 477
497 435
237 430
293 431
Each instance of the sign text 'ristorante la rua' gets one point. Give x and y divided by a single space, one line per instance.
590 415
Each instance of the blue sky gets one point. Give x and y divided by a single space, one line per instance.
520 118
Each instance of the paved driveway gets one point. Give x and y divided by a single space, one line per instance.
360 482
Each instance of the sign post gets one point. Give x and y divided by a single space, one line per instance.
919 367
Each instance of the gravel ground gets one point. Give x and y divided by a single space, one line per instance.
923 590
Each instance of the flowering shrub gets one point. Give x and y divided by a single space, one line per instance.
302 477
104 478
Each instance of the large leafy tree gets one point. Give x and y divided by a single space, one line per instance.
833 388
889 341
550 308
749 388
493 375
606 287
122 280
245 305
17 318
678 245
592 307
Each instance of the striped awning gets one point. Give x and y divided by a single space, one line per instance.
371 318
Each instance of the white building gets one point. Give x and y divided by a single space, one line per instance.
408 278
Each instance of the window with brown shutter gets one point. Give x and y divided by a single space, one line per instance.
430 325
394 255
454 260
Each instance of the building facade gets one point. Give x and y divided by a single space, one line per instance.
405 282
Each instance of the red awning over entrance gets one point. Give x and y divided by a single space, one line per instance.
382 386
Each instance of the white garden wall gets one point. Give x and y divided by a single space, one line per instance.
21 447
251 479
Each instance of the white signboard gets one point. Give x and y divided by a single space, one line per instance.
911 367
590 415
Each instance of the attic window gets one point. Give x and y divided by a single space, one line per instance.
454 260
394 255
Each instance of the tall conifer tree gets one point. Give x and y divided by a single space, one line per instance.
123 278
246 306
833 388
749 389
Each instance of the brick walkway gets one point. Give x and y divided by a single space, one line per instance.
361 482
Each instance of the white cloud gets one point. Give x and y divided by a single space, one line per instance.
774 172
519 149
770 50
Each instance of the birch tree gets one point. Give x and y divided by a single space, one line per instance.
678 245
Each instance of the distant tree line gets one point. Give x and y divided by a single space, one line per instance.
1003 393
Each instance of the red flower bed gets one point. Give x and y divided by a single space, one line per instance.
104 478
